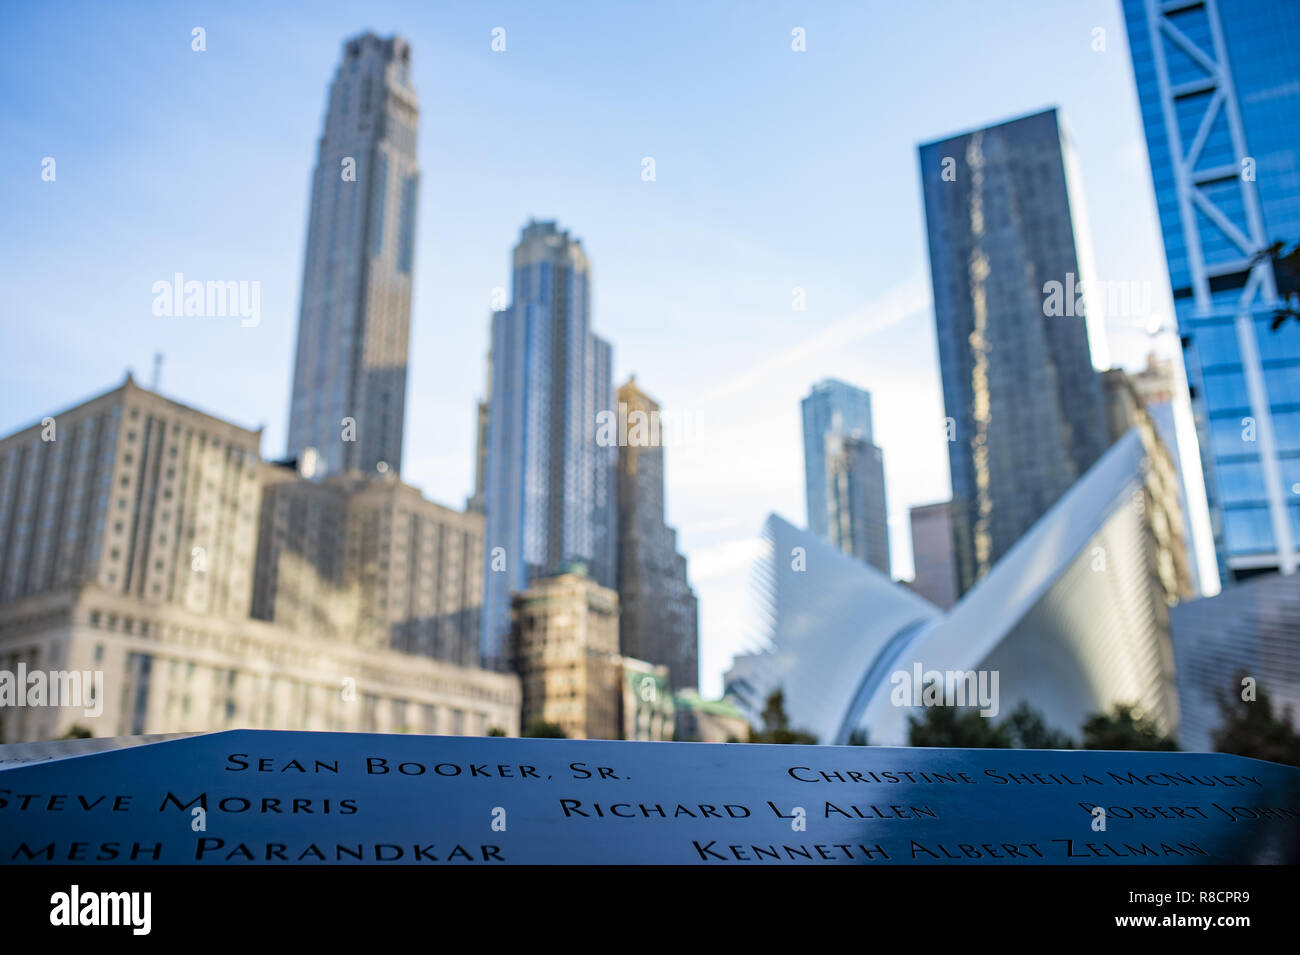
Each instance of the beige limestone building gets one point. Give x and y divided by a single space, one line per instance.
659 612
564 643
168 670
129 544
368 558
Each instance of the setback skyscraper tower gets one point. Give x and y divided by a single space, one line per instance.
1219 88
659 613
844 472
349 380
1026 406
551 491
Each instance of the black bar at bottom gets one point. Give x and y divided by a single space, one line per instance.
301 903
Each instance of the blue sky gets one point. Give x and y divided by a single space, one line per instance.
774 168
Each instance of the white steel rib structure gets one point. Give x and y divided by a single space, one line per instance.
1073 618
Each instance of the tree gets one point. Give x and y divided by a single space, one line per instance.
1124 728
776 723
1028 730
1252 728
77 732
960 727
540 729
496 731
1286 270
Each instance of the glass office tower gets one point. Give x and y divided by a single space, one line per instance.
1219 88
1002 209
844 472
349 377
551 491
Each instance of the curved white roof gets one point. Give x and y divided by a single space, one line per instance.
1070 618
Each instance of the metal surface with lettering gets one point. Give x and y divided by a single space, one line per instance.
265 797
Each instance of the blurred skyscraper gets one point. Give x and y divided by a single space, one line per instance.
355 317
934 577
659 622
1002 211
844 472
476 501
563 643
1153 392
551 491
1219 88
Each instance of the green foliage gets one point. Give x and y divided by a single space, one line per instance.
776 724
1029 730
960 727
1252 728
540 729
496 731
77 732
1123 728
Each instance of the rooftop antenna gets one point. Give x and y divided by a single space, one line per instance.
157 371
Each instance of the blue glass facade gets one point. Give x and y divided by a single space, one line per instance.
550 490
1219 89
1028 418
844 477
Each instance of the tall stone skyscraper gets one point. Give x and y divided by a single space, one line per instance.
1028 418
349 380
844 472
660 612
1218 84
551 492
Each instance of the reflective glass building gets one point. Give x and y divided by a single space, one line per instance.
1005 224
551 492
1219 88
355 315
844 472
